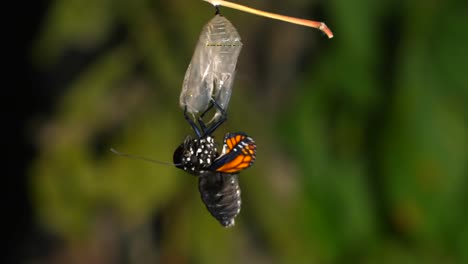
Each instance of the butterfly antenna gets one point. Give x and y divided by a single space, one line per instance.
141 158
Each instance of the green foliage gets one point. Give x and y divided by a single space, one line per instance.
362 150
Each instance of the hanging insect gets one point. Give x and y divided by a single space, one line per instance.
208 83
211 71
218 173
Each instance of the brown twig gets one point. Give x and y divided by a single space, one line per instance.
299 21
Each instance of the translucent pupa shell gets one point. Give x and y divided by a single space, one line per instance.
211 71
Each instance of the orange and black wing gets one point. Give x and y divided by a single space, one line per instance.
239 152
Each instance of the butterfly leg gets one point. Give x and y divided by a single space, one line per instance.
218 122
200 118
192 124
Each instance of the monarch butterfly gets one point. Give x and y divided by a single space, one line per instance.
218 182
199 154
218 173
211 71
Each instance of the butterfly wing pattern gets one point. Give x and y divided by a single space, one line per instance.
239 152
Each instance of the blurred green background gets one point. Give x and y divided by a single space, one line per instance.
362 139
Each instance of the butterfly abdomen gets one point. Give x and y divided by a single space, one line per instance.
221 194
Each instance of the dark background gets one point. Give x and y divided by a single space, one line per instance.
362 139
25 97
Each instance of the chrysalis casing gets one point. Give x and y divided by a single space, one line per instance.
211 71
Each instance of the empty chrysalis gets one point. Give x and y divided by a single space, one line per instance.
210 74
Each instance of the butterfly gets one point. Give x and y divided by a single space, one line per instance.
217 173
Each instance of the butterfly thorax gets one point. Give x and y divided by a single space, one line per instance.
195 155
